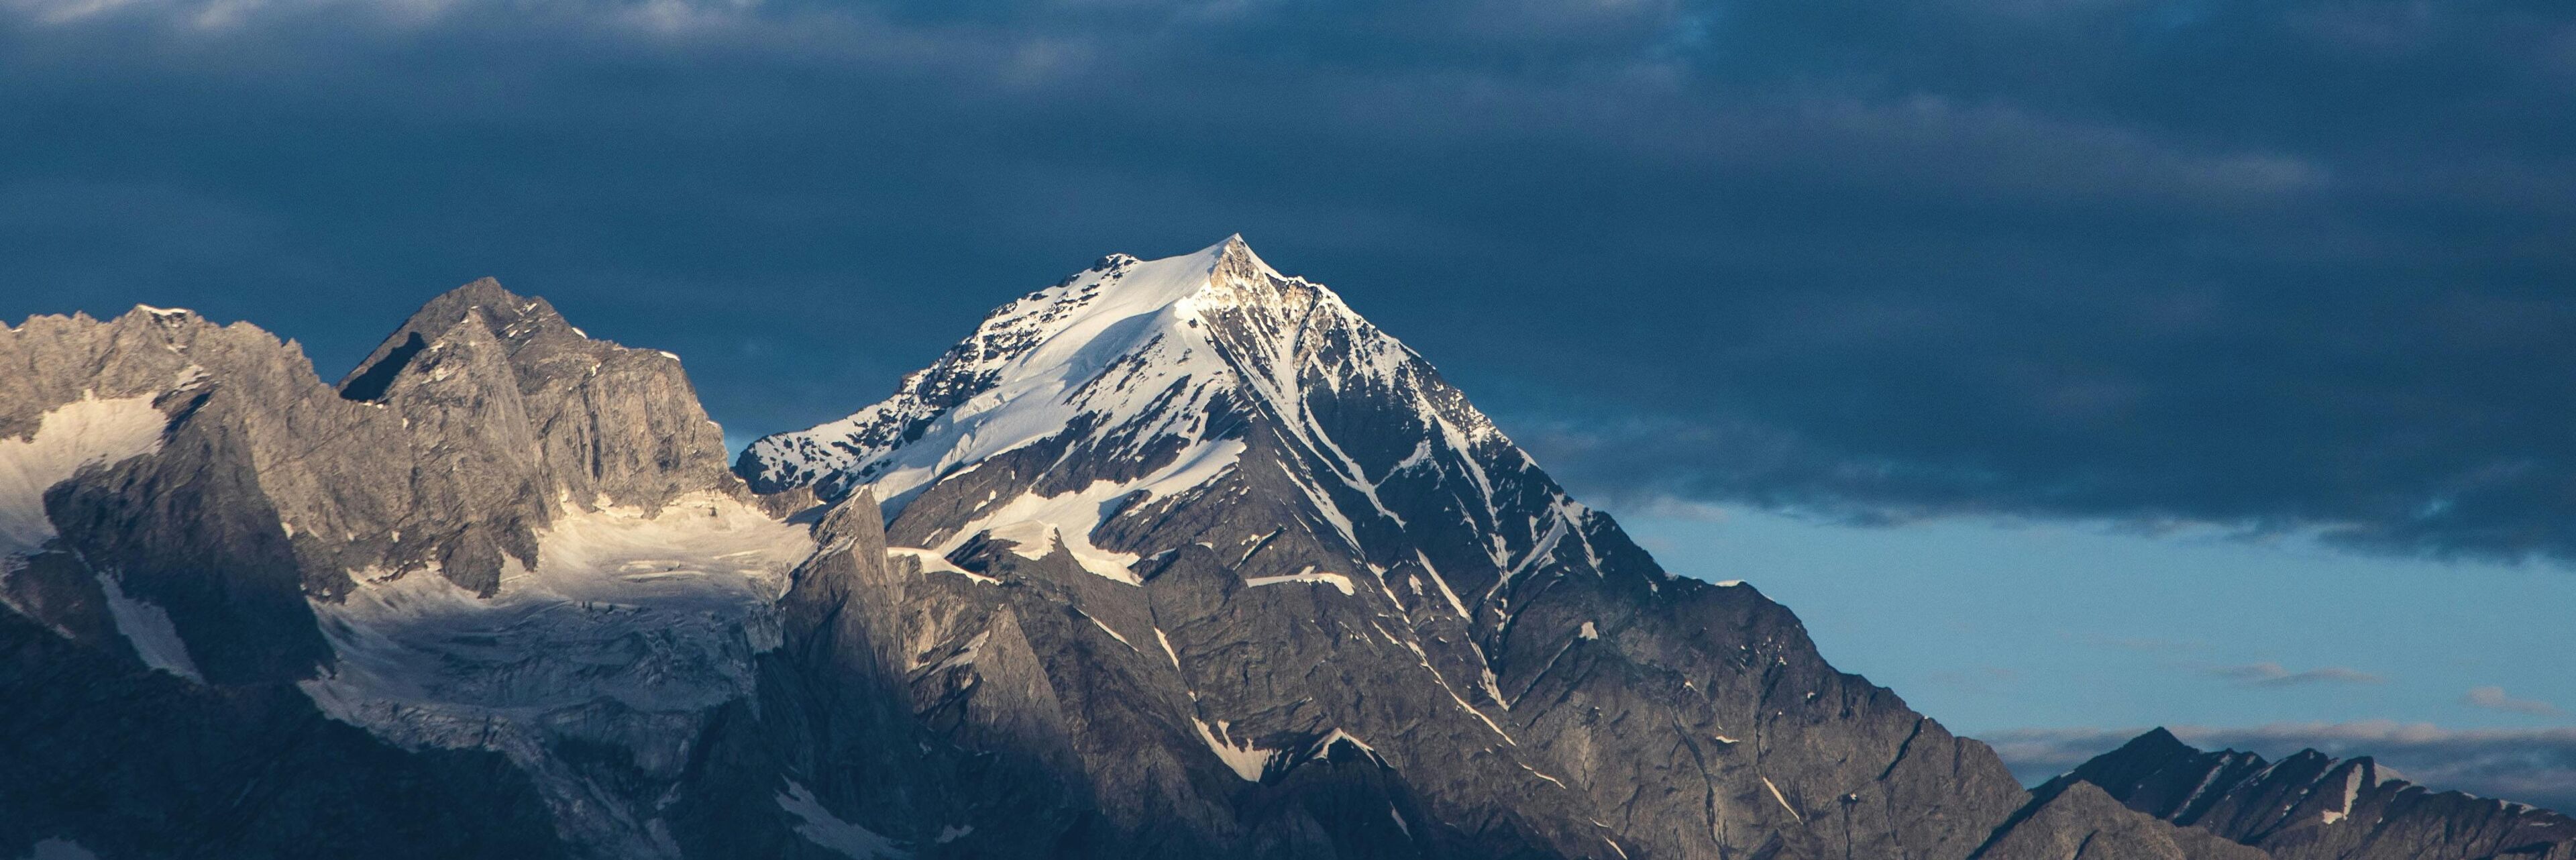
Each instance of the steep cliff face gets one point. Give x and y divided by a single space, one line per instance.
2310 806
166 536
151 468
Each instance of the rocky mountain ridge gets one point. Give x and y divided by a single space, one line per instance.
1175 558
2311 806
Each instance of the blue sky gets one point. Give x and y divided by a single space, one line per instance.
2175 361
1997 626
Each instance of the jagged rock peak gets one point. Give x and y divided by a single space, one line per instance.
506 312
516 322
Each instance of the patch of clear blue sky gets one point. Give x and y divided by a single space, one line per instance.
1996 625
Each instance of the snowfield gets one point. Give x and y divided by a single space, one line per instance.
658 612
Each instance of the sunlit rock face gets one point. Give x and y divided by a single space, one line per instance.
499 542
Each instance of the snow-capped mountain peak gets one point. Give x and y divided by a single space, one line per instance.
1125 341
1153 377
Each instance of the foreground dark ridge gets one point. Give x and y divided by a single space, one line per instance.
1179 558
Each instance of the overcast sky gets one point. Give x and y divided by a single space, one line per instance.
2288 282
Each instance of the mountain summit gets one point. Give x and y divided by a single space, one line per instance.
1140 351
1142 380
1286 528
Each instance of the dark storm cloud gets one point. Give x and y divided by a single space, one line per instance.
2534 766
2281 265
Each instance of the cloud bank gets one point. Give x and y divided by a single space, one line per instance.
2293 265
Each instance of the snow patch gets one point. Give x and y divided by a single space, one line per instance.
77 435
658 611
1445 593
1323 747
965 656
1308 575
1036 524
1425 661
1167 647
933 562
148 628
60 849
1104 628
1539 552
84 432
1242 757
1784 801
2351 791
823 828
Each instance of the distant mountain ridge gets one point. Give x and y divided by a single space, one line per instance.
1174 558
2311 806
